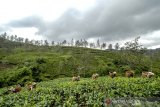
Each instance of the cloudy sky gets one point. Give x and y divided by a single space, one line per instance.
110 21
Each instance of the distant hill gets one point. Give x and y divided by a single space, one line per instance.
20 62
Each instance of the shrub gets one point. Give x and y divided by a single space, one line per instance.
18 50
156 71
12 77
41 60
110 64
2 82
140 68
124 68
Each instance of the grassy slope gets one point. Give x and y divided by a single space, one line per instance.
20 62
57 60
45 63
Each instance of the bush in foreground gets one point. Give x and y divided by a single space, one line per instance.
86 92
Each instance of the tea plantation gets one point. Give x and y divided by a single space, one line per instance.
85 93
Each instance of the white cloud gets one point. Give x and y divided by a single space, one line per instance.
109 20
151 40
48 9
26 33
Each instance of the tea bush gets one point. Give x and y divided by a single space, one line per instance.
86 92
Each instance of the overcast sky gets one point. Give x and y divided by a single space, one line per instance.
110 21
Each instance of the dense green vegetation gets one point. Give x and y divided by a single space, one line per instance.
21 62
86 92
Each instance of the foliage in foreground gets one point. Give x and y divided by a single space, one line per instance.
86 93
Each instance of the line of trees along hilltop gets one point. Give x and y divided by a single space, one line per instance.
74 43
